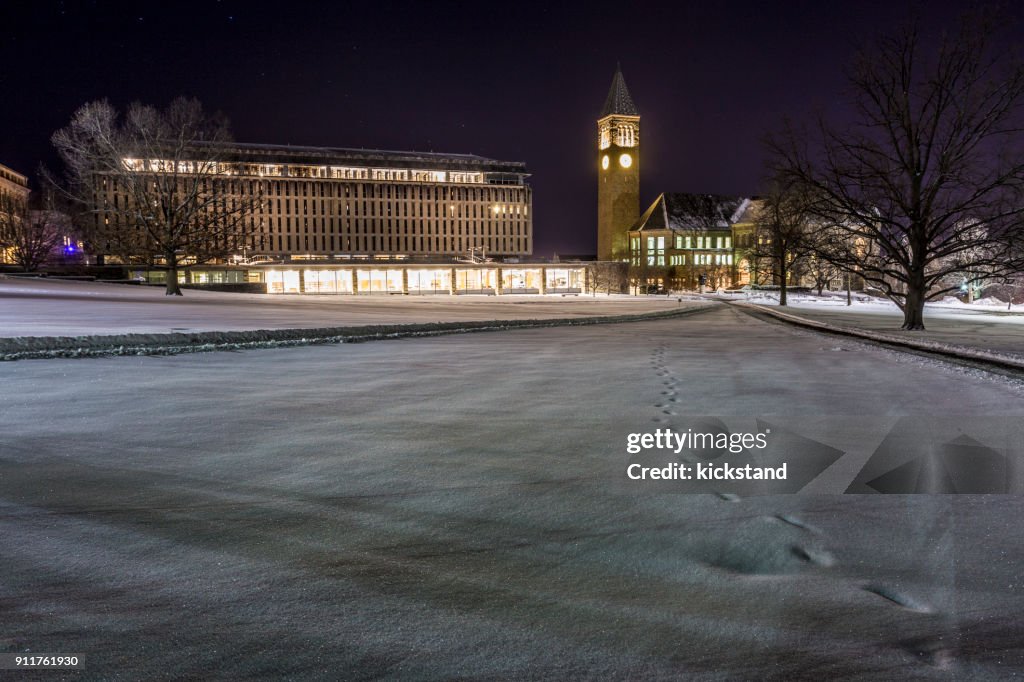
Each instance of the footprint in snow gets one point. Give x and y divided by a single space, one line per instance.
899 598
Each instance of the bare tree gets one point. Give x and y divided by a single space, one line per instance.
30 237
782 232
155 185
612 276
930 178
820 272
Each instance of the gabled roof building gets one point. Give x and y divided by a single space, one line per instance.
690 240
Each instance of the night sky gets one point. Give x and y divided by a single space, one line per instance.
509 80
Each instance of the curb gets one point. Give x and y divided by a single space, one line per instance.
42 347
956 352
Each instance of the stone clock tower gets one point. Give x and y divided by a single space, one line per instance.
618 171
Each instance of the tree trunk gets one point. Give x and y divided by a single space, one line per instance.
913 305
849 293
172 277
782 284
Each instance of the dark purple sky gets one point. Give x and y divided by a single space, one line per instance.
511 80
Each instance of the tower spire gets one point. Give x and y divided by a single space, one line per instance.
619 100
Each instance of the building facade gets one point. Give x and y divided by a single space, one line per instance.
401 278
335 204
389 277
618 174
684 241
13 192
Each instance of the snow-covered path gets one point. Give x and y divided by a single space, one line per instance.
456 506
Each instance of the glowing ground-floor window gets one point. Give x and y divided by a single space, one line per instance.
470 280
521 279
558 278
430 281
744 272
379 281
328 281
283 282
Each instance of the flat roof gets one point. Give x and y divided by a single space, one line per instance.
307 155
13 175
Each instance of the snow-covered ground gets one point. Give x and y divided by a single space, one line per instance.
41 307
950 322
871 304
456 507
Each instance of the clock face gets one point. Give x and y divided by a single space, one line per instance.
625 160
604 162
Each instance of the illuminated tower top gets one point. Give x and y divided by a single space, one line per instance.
619 101
619 122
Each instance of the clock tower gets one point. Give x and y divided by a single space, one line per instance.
618 171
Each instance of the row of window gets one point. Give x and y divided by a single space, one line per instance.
420 281
359 190
407 226
703 242
658 259
624 133
301 171
382 208
657 244
654 254
418 244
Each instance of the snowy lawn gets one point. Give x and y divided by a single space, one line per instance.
455 507
980 325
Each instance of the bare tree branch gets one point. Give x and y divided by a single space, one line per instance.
154 185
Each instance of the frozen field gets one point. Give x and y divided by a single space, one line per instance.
38 307
454 508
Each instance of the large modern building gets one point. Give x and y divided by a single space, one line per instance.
346 221
319 203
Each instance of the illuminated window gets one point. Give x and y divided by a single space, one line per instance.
655 251
437 281
379 281
520 279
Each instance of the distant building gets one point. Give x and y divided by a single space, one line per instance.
682 240
320 203
685 240
618 174
13 188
